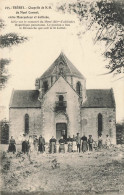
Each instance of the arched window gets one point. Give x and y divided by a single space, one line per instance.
78 88
99 124
26 123
45 86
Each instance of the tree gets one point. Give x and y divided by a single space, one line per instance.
7 40
107 18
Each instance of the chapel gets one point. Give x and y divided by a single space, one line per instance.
60 105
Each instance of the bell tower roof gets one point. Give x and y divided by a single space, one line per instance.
62 62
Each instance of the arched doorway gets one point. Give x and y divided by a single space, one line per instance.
61 122
61 130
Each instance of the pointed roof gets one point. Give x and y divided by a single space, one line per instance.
71 70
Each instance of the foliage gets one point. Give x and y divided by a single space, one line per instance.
3 72
106 17
7 40
4 126
11 39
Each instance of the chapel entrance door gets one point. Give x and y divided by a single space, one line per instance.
61 130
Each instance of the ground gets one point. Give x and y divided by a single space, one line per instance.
98 172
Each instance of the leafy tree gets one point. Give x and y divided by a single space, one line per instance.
7 40
107 18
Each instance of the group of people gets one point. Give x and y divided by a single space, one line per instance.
75 144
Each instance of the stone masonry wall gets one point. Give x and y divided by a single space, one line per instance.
48 109
91 128
17 121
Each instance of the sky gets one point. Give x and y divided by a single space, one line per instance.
30 59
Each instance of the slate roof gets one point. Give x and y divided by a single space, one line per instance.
99 98
70 69
25 99
96 98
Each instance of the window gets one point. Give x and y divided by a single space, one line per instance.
78 88
45 86
99 124
26 123
61 98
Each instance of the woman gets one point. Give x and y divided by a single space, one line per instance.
74 144
84 143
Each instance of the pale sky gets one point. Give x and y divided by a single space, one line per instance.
32 58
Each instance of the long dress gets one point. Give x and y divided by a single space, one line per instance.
12 147
84 144
74 145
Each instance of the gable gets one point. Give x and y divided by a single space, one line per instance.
60 86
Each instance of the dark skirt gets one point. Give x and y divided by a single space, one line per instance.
70 147
25 147
62 148
84 146
41 147
100 144
12 148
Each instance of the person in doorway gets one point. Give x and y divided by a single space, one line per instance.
90 143
62 145
84 143
100 140
78 142
12 147
108 141
41 144
52 145
74 144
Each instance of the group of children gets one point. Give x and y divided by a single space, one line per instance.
75 144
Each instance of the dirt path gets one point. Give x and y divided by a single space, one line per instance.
97 172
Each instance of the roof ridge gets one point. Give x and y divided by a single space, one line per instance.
66 60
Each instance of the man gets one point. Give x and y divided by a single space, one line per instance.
84 143
90 143
78 141
52 145
41 144
12 147
62 145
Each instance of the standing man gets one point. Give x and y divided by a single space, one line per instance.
78 141
52 145
41 144
90 143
